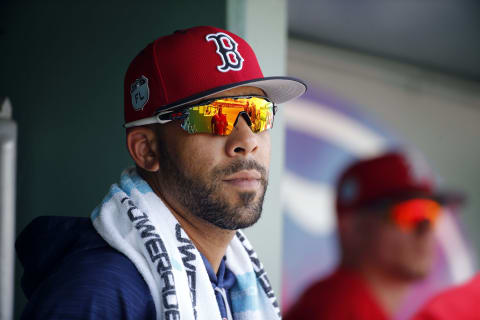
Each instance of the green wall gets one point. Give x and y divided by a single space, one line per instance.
62 65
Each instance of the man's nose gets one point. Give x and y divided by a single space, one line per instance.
424 226
242 140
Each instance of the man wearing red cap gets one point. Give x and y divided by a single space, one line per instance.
386 212
165 241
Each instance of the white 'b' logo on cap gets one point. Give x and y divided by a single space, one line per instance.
140 93
227 50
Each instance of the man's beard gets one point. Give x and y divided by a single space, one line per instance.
204 198
416 269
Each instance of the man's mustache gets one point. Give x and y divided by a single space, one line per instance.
239 165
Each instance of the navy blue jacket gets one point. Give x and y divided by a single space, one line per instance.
70 272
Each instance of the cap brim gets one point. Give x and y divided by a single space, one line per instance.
277 89
450 198
445 198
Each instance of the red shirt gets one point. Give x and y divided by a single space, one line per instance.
459 303
343 295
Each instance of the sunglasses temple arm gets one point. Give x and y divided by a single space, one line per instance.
163 121
166 117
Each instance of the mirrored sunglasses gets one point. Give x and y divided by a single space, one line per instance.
219 116
407 215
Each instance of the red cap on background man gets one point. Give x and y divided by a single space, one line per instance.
390 176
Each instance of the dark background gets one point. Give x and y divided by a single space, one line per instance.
62 66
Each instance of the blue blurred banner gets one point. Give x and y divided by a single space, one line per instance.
324 134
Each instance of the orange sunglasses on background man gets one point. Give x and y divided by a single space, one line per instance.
398 182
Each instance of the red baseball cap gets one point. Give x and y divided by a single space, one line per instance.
191 65
393 175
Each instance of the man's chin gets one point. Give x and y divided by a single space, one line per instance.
241 222
242 213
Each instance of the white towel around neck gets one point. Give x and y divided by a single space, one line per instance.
135 221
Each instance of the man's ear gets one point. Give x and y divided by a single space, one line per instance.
142 146
347 225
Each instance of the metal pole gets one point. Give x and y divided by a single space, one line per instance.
8 151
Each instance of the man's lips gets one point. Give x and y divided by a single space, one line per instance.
245 175
244 179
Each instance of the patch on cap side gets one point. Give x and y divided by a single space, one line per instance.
227 50
140 93
349 191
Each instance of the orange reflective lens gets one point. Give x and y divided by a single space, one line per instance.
408 214
219 116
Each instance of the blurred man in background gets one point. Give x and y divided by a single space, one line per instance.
386 210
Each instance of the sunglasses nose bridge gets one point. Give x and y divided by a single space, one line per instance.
424 226
245 116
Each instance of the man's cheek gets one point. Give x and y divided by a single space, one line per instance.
267 149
